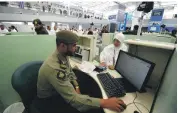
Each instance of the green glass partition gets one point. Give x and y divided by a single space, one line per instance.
15 51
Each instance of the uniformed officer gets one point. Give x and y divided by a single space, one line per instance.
57 88
39 28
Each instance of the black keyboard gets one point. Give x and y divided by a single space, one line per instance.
112 87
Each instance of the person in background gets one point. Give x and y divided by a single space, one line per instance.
95 32
90 32
85 32
39 28
57 87
3 30
53 31
108 56
134 32
49 30
104 30
9 29
13 29
80 32
75 31
174 32
55 28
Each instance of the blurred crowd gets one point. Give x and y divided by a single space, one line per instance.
4 30
89 31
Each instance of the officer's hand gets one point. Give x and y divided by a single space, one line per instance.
111 67
103 64
78 90
114 104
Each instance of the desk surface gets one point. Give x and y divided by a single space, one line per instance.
163 45
143 98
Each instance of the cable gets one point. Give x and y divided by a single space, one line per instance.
133 100
137 103
137 108
143 106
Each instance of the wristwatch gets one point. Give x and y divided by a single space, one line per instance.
76 87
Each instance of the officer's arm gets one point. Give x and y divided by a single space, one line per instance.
66 90
73 79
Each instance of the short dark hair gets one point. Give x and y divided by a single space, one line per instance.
58 42
12 26
90 33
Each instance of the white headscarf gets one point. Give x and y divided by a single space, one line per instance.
120 37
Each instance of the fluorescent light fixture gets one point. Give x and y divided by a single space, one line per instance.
168 3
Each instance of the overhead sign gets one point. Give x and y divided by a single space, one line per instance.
156 20
129 16
122 25
120 16
112 17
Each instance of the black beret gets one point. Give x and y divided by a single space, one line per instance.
37 21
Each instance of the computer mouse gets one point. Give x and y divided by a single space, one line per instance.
136 112
124 106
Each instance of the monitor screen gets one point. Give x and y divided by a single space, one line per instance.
134 69
157 13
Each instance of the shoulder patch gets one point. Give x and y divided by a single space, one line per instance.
62 66
61 75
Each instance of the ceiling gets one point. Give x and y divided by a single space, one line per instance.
105 5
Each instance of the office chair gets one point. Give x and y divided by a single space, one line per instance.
24 81
88 86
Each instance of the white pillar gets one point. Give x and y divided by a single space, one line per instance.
135 18
140 24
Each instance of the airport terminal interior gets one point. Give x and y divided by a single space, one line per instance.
124 49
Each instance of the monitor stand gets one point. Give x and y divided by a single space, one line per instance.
129 88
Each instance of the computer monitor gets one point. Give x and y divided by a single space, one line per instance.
134 69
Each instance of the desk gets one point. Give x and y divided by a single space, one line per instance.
163 45
144 98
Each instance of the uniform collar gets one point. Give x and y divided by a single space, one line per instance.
60 57
55 60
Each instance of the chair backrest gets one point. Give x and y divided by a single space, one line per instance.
24 81
88 86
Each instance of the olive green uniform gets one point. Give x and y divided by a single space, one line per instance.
56 77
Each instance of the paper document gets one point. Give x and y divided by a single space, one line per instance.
87 67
